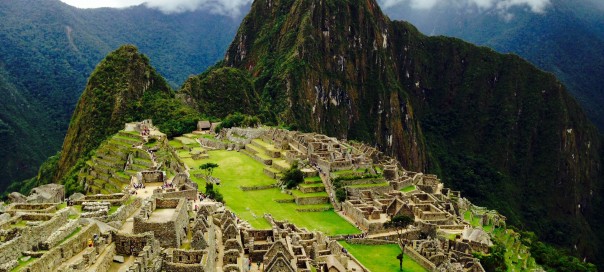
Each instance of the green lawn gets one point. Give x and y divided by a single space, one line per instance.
381 258
112 210
315 179
175 144
409 188
236 169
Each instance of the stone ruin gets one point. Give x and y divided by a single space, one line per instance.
49 193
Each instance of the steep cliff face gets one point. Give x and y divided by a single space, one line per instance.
491 125
219 92
326 66
123 88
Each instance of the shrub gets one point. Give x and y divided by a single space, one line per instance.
292 177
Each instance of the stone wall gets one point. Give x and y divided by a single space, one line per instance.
372 242
190 194
171 232
179 267
125 211
11 251
187 256
312 200
257 188
130 244
114 199
56 256
211 143
104 263
56 237
31 208
352 191
418 258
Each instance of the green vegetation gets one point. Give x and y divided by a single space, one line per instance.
399 222
495 260
375 258
112 210
341 194
408 189
237 169
111 98
208 168
213 193
46 65
551 258
23 264
292 177
238 120
219 92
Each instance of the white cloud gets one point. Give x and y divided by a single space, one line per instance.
538 6
224 7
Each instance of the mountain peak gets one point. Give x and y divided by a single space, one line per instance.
112 97
477 118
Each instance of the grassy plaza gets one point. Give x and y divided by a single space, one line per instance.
381 257
237 169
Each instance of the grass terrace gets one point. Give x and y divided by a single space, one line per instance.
408 189
381 257
22 264
237 169
517 256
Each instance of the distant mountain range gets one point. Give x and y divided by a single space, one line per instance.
567 39
48 49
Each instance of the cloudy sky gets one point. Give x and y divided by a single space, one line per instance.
233 7
226 7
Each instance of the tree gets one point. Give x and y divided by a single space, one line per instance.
399 222
341 194
292 177
208 168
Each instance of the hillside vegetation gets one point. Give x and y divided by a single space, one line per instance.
49 49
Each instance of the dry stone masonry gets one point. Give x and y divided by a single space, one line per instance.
168 228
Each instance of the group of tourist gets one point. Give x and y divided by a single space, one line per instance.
356 236
139 186
145 131
167 186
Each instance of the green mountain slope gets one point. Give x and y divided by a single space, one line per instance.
492 125
48 50
567 39
123 88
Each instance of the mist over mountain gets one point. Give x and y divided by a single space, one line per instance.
48 49
565 37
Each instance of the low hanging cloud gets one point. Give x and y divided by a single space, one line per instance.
224 7
231 8
537 6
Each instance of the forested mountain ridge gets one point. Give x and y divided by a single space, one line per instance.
566 38
504 132
48 49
